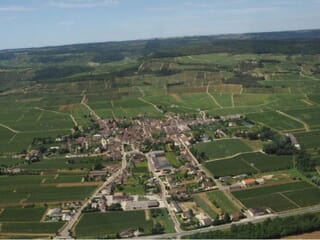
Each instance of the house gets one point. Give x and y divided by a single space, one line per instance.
205 222
187 215
236 217
176 207
248 182
253 212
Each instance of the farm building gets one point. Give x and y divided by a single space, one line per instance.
160 161
248 182
135 205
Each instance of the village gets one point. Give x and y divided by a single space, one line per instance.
151 164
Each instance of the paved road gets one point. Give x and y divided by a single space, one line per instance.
65 232
164 196
247 220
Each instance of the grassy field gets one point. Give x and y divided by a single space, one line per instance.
172 159
219 199
95 225
222 148
204 205
280 197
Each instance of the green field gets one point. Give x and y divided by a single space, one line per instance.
280 197
172 159
62 163
17 189
275 120
229 167
28 214
222 148
219 199
310 116
95 225
48 228
249 163
203 205
309 140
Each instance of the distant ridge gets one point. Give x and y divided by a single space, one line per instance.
312 34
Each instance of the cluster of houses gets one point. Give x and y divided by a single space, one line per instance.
59 214
120 201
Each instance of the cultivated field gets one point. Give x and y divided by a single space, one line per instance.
280 197
95 225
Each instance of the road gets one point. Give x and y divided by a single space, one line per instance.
83 102
212 97
305 125
65 232
9 128
164 196
226 226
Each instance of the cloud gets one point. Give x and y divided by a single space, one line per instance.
15 8
83 3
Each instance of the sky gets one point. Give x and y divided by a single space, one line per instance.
35 23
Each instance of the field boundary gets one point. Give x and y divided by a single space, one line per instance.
306 126
9 128
83 102
150 103
212 97
232 156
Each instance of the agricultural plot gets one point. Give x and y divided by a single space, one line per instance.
223 99
250 99
196 101
222 148
16 190
275 120
249 163
266 163
203 204
229 167
97 225
67 163
49 228
19 214
309 139
310 116
280 197
219 199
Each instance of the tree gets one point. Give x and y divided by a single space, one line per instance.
157 229
304 161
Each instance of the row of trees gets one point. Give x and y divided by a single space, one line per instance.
275 228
